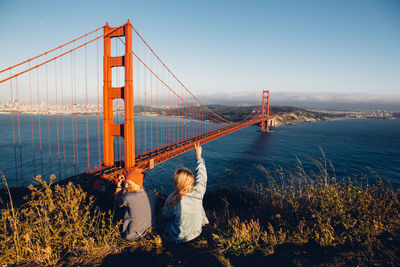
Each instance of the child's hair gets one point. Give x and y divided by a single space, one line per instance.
183 184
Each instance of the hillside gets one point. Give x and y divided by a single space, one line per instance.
303 220
283 114
290 115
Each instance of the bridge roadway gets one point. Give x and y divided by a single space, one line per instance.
149 159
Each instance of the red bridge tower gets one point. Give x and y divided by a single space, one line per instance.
127 129
265 111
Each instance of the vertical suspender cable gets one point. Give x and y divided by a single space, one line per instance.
33 136
118 101
98 104
197 122
185 121
73 111
48 116
138 109
182 105
62 113
164 108
204 119
173 119
178 119
58 129
19 133
145 102
201 119
159 110
151 112
87 111
167 118
76 119
160 103
40 126
13 127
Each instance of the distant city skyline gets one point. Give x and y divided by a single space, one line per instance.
307 53
297 99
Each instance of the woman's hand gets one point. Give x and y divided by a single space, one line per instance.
120 180
198 149
118 190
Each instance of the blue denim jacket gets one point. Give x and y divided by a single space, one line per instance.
185 220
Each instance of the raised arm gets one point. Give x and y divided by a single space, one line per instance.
201 173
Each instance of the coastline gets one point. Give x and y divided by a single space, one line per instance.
284 115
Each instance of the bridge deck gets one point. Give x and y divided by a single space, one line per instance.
156 156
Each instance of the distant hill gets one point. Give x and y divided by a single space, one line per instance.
283 114
289 115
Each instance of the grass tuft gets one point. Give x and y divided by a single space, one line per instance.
241 238
299 207
56 224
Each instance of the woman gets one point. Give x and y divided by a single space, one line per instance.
183 209
139 205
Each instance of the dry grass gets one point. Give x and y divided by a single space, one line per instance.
61 225
331 212
306 207
240 239
56 224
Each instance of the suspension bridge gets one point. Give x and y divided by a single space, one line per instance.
74 111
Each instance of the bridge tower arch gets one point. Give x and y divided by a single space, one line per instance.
265 111
110 129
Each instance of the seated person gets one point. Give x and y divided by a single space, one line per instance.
183 210
139 205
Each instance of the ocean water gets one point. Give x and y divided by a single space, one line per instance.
356 147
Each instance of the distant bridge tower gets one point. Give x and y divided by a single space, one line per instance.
127 129
265 111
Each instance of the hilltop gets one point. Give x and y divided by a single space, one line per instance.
290 115
283 114
299 219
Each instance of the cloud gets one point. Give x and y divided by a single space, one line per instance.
34 21
310 100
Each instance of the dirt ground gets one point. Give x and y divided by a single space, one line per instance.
201 253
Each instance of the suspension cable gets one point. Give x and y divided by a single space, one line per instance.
45 53
63 54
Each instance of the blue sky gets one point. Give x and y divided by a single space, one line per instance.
321 47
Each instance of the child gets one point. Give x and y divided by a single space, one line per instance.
183 209
139 205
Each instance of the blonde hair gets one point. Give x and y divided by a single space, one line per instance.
183 184
133 187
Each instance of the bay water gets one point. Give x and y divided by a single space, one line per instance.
368 148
